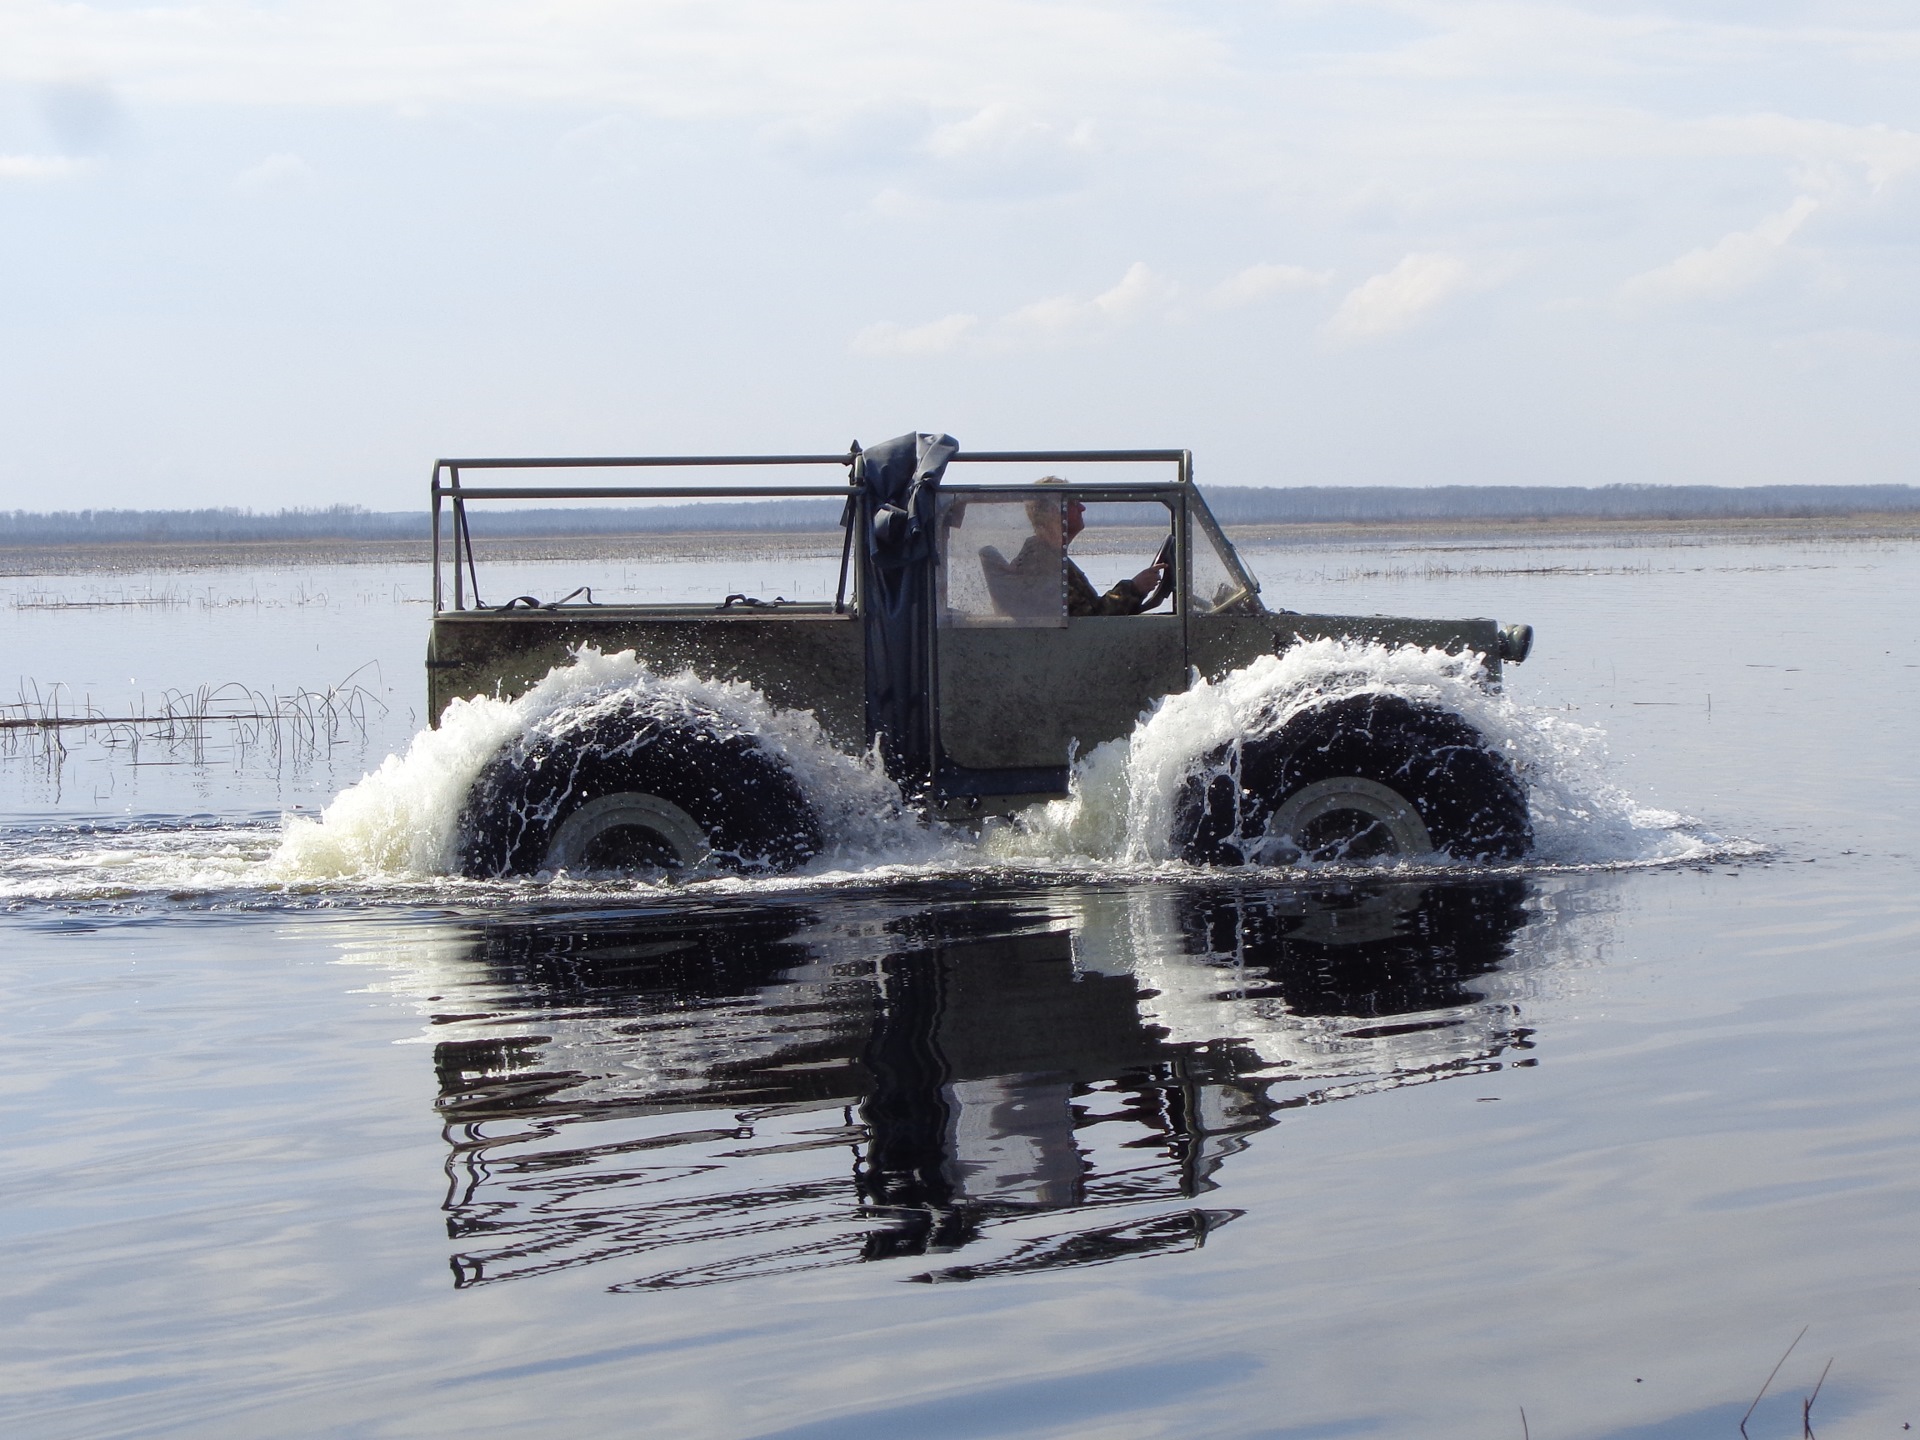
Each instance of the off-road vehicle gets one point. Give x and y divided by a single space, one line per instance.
965 645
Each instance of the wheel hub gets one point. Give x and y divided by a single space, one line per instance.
628 832
1345 818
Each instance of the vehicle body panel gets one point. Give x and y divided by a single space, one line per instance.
1025 697
1219 644
1017 698
801 658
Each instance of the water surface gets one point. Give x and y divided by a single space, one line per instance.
958 1143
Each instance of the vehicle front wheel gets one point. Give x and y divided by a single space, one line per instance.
1358 779
634 787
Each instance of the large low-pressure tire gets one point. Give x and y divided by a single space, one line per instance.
1362 778
623 789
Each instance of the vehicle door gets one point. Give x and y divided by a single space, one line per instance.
1023 684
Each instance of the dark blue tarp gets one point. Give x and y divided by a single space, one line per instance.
898 480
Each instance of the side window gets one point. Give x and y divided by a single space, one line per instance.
1001 561
1119 541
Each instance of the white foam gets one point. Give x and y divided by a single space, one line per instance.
394 833
402 819
1123 793
95 863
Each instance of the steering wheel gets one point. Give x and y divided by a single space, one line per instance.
1165 588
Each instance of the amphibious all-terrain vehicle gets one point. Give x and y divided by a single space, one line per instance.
966 644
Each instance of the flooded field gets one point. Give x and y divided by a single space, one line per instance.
1039 1133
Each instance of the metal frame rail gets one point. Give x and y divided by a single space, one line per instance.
458 494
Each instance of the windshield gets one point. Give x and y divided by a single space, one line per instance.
1220 584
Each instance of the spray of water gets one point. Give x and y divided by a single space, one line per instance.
402 820
397 829
1124 792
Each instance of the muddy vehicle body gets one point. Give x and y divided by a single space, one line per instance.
959 646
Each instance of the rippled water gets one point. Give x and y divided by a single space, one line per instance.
1023 1140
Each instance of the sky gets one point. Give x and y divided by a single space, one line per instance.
286 254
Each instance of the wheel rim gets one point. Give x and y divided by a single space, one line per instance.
628 832
1345 818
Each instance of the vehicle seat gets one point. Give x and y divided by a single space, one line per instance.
1027 592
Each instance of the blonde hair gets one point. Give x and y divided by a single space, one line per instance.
1039 507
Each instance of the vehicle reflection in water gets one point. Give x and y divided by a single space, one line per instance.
995 1082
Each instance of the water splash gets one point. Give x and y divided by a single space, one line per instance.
394 835
1123 793
403 819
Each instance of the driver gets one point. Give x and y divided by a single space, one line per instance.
1128 597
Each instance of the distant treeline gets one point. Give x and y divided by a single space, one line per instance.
1234 505
1246 505
351 522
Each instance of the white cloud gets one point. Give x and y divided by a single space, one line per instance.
762 58
1734 263
1006 150
1065 316
1262 282
1005 131
37 167
1392 301
1825 156
1397 299
767 146
275 172
936 337
1058 319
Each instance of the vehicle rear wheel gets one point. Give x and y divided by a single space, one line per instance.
1358 779
627 789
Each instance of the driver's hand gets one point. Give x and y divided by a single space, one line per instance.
1149 579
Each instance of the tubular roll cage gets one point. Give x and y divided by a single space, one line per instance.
464 573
